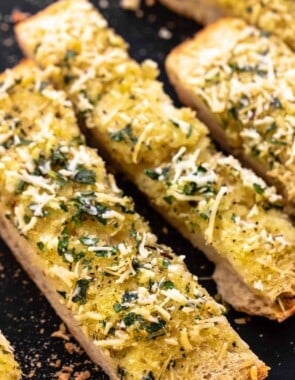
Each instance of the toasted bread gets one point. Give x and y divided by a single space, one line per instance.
275 16
130 302
243 89
221 207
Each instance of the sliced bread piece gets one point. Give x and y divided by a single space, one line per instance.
224 209
275 16
243 88
9 368
129 301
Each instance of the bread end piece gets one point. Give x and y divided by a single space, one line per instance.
202 11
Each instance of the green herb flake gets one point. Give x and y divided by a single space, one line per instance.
168 199
70 54
118 307
258 188
167 285
57 157
130 318
273 127
124 134
27 219
21 186
277 142
189 132
80 291
63 206
85 176
41 246
117 136
234 217
165 263
158 173
129 297
190 188
63 242
204 216
152 173
154 327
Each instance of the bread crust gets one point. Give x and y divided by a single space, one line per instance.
202 11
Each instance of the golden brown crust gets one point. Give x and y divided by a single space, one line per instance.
202 11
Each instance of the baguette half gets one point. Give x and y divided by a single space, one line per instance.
9 368
130 302
243 88
219 206
275 16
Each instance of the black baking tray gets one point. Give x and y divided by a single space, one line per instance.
26 318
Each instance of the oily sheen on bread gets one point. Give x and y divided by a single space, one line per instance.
243 88
130 302
274 16
224 209
9 368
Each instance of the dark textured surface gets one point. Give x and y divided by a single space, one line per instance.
25 316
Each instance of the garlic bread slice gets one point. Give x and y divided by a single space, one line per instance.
243 87
224 209
129 301
274 16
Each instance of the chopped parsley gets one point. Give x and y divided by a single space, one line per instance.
70 54
167 285
80 291
85 176
125 134
190 188
258 188
118 307
63 242
41 246
158 173
129 297
130 318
